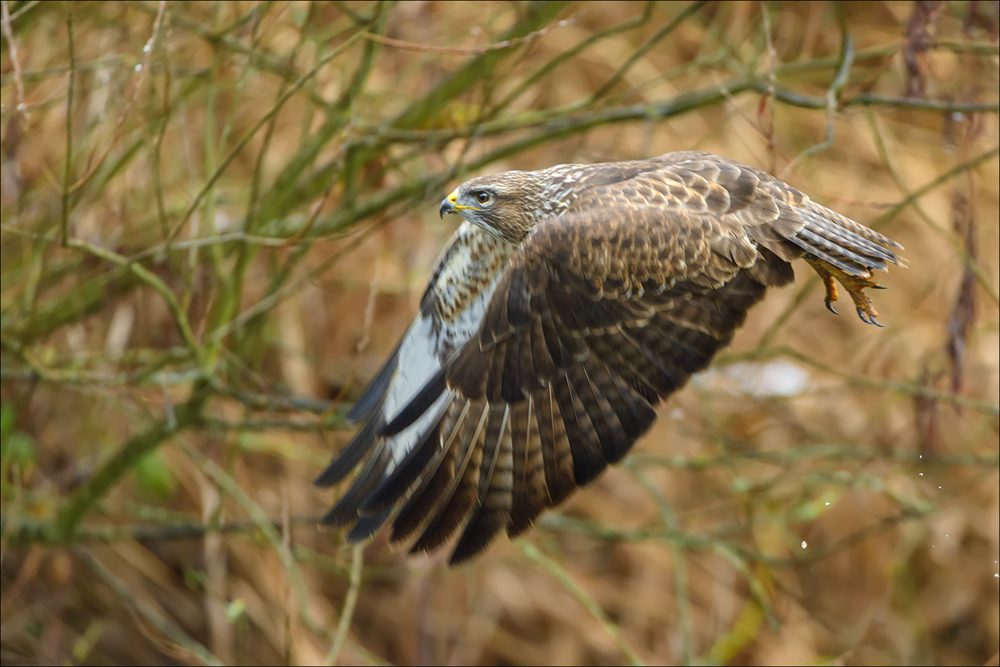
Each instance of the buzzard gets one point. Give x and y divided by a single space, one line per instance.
569 302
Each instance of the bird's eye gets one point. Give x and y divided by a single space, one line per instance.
483 197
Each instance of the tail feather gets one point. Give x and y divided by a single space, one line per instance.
826 217
841 250
854 260
833 260
847 245
845 239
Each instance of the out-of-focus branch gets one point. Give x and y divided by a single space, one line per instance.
903 388
24 532
152 615
183 416
550 127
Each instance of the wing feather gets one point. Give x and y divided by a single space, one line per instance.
615 442
529 492
371 398
394 486
342 465
584 443
557 459
460 492
427 495
492 510
346 510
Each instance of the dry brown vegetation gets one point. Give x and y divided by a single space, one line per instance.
218 218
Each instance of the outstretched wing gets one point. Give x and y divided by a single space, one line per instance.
601 312
450 312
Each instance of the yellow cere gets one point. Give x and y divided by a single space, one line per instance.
453 200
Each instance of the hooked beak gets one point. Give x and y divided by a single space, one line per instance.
450 205
447 206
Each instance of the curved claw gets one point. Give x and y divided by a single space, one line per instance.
855 286
872 320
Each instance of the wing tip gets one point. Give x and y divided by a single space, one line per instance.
375 392
367 525
349 457
480 531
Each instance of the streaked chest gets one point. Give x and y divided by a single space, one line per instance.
461 286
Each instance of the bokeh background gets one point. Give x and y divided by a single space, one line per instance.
218 218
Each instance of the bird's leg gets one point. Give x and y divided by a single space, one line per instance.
827 278
855 286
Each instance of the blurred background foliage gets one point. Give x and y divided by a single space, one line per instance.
218 218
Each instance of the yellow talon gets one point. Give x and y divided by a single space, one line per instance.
855 286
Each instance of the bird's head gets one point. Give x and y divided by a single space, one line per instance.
507 205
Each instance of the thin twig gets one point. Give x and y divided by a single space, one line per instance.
832 97
261 425
186 415
68 169
8 33
891 386
977 48
984 280
772 58
681 589
273 299
154 281
931 185
827 452
350 602
24 8
141 71
570 53
263 521
37 372
190 647
257 57
457 51
241 144
645 48
584 598
27 531
708 542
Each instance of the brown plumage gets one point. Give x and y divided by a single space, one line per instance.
571 301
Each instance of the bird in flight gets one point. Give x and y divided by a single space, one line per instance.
568 303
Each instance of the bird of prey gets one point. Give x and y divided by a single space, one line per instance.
569 302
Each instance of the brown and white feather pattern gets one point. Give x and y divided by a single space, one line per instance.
569 303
